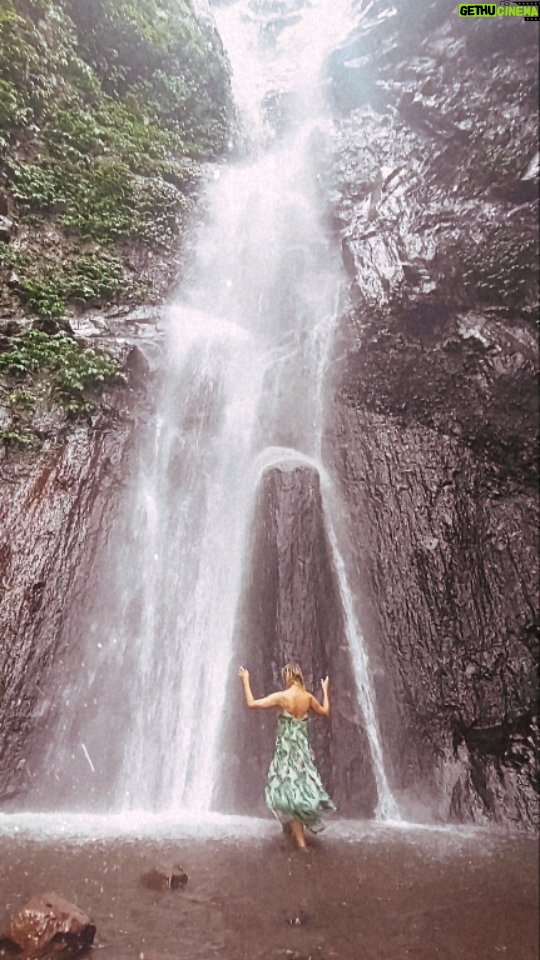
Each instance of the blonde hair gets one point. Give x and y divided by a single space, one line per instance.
292 673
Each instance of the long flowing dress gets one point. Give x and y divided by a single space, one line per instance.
294 789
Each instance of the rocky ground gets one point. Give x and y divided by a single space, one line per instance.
378 895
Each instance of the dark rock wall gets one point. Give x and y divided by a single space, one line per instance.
291 610
434 418
445 573
57 507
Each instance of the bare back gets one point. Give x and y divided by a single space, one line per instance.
297 701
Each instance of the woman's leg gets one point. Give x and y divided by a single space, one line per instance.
297 830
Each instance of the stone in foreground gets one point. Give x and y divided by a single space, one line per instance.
165 878
46 927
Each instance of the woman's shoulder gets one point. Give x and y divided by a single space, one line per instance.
297 701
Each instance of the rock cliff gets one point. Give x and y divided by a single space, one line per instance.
292 610
107 118
430 435
434 417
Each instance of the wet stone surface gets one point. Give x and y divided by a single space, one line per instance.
56 508
291 610
48 926
382 895
432 433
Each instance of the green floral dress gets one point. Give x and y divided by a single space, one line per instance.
294 790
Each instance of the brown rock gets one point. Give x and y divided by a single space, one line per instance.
293 569
47 495
48 926
7 229
165 878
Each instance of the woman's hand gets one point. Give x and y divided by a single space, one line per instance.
323 709
243 673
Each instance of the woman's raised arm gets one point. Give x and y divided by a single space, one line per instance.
273 700
323 709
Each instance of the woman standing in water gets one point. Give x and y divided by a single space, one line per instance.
294 791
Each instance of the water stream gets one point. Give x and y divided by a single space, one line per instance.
243 387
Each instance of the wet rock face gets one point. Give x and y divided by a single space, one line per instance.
292 611
165 877
434 420
49 926
56 510
445 576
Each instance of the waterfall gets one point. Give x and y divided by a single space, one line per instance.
243 383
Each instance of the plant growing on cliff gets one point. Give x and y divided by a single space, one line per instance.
21 400
105 108
167 62
48 286
9 437
13 112
74 371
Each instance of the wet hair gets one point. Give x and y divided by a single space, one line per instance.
292 673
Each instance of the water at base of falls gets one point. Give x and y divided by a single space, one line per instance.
242 382
187 822
373 891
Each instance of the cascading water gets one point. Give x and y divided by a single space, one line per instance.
243 388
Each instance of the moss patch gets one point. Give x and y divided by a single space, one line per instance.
48 285
106 110
41 371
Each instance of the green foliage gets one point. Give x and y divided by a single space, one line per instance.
160 65
111 128
48 285
101 201
43 296
8 256
72 370
12 109
37 53
106 108
9 437
20 401
109 92
34 186
19 55
90 278
93 277
169 64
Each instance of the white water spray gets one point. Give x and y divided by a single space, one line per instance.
243 387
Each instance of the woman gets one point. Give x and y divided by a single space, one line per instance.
294 791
